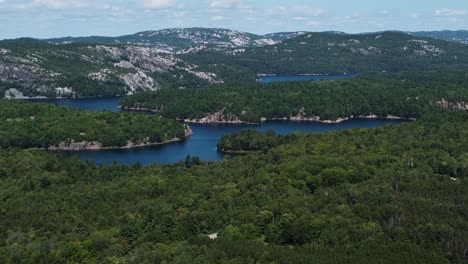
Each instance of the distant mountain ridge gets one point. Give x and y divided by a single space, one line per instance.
191 58
448 35
176 39
331 53
179 39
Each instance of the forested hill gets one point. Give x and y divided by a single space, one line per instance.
330 53
405 95
456 35
30 67
176 39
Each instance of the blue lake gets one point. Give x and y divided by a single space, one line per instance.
203 141
297 78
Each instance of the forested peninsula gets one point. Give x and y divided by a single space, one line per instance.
378 95
36 125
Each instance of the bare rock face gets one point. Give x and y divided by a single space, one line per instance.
14 72
462 106
218 117
103 75
4 51
139 81
149 59
124 64
77 146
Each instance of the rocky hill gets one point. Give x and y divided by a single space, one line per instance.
177 39
31 68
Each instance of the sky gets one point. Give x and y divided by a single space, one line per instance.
59 18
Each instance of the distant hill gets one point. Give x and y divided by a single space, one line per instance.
176 39
30 67
331 53
190 58
458 35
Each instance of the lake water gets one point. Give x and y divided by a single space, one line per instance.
95 104
296 78
203 141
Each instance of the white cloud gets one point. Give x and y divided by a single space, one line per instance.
450 12
297 11
53 4
217 18
156 4
229 4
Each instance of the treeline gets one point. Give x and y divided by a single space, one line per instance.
29 125
395 194
405 95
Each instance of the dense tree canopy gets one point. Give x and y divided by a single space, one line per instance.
26 125
395 194
406 95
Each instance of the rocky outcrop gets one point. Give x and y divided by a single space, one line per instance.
218 117
77 146
13 93
188 130
462 106
149 59
139 81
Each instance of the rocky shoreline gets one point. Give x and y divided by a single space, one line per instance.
221 118
95 145
292 119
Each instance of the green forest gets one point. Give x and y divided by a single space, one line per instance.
251 140
407 95
394 194
331 53
37 125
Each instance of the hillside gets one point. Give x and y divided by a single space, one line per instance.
176 39
331 53
33 68
448 35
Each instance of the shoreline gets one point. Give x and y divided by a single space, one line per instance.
296 119
210 120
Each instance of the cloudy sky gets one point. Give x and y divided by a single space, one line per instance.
56 18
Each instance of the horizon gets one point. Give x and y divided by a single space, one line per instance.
219 28
44 19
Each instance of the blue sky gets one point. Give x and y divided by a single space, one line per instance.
56 18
